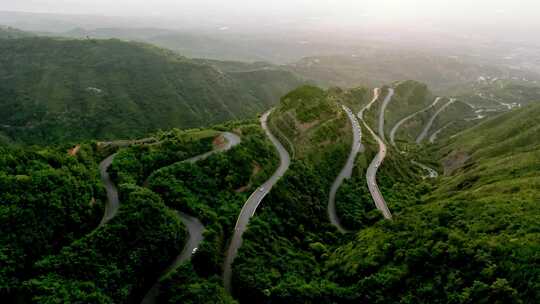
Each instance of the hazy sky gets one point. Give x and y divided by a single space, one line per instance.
443 14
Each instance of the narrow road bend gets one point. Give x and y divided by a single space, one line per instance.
385 103
113 203
194 226
371 173
376 95
346 172
196 229
396 127
435 134
249 208
426 129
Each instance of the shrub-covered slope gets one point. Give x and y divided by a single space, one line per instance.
55 90
474 239
279 259
48 199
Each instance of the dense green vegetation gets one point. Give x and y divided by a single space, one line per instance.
410 96
473 239
135 164
185 286
212 189
47 200
398 179
469 236
116 262
119 261
215 189
443 246
56 90
279 260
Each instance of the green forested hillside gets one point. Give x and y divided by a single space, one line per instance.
48 199
469 236
473 239
57 90
279 260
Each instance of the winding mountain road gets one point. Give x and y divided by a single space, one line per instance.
426 129
396 127
232 140
196 229
249 208
376 95
193 225
385 103
371 173
113 203
435 134
346 172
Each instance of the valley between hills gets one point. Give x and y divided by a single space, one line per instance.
131 174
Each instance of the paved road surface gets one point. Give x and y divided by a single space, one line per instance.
425 132
371 174
431 172
435 134
385 103
232 140
112 205
196 229
193 225
249 208
346 172
376 95
396 127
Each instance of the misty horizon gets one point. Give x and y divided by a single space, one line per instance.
501 19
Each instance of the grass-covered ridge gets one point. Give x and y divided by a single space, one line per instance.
68 90
497 159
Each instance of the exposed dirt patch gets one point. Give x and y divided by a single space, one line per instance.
219 141
302 127
325 143
454 161
73 151
299 126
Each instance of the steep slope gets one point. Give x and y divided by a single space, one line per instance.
474 239
292 220
56 90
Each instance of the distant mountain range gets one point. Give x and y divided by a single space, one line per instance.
86 86
59 89
345 66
